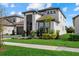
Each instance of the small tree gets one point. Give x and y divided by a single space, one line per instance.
2 13
70 30
1 30
47 18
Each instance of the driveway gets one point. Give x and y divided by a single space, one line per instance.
45 47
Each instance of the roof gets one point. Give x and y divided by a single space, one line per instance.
29 11
6 20
13 16
6 23
41 19
76 16
50 8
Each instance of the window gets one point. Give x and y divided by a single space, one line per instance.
47 24
41 25
13 19
51 12
48 12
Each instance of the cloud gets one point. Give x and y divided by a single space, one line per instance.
16 13
48 5
76 9
35 6
38 6
65 9
13 13
8 4
19 13
72 15
5 4
77 4
12 5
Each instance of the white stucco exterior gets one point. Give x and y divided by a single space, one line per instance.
7 29
62 23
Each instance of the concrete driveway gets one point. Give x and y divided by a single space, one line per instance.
45 47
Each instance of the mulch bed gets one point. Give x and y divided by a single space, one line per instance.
2 49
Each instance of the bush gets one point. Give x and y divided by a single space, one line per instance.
70 30
57 32
51 31
45 35
70 37
33 33
74 37
53 35
49 36
65 37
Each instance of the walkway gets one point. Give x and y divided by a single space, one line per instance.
45 47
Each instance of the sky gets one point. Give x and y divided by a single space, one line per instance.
69 9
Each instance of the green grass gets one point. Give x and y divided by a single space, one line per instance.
21 51
74 44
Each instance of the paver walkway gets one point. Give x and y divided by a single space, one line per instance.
45 47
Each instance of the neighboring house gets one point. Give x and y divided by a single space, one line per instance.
11 23
33 20
76 24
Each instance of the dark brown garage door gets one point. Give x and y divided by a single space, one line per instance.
19 30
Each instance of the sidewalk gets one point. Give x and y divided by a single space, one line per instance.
45 47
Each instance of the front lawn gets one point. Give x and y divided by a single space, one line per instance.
74 44
21 51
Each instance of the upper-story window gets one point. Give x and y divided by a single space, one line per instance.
50 12
14 19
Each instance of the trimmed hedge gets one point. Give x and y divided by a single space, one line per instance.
70 37
74 37
65 37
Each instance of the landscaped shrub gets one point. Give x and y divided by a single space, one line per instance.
49 36
51 31
65 37
74 37
45 35
33 33
70 37
70 29
23 34
57 32
53 35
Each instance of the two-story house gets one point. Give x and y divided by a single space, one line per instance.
33 20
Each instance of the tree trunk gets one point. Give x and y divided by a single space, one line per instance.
49 26
0 40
